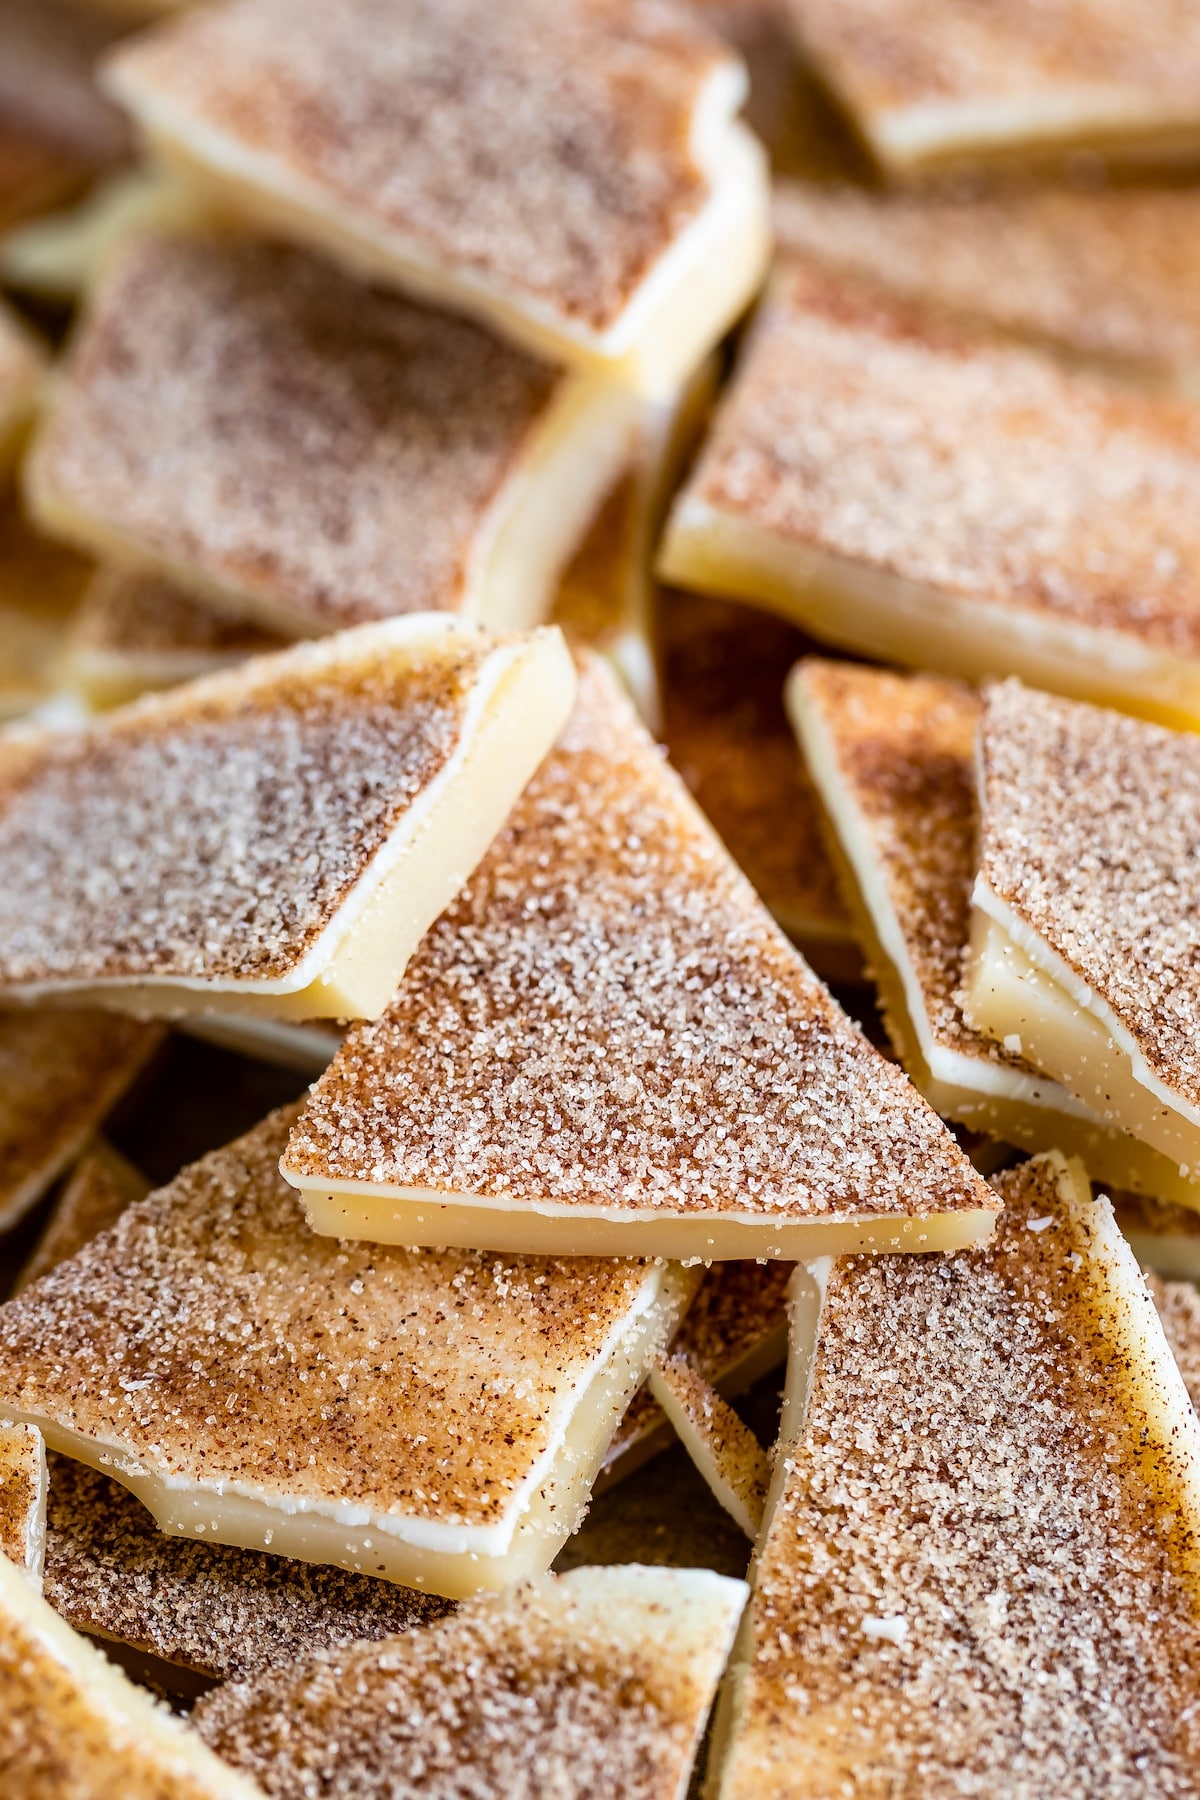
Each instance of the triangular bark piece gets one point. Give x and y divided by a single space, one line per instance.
606 1046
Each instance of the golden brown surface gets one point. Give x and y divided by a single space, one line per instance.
546 143
1046 60
607 1014
247 806
584 1684
40 586
57 130
22 1490
726 731
228 1613
301 1367
352 476
95 1194
864 431
1090 836
1111 274
61 1073
73 1728
980 1575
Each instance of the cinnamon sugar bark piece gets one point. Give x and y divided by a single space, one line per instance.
894 759
606 1046
905 486
1083 909
280 437
274 839
981 1566
435 1418
572 174
592 1684
931 87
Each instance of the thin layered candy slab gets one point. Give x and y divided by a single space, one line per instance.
1110 275
274 839
23 1485
73 1726
592 1684
893 757
435 1418
931 86
606 1046
572 174
267 431
908 487
1084 906
61 1073
961 1587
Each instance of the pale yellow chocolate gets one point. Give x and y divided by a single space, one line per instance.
893 757
94 1195
606 1046
23 1483
723 1448
981 1567
572 173
381 458
72 1726
221 1612
906 487
596 1683
436 1418
931 86
1110 275
734 1331
61 1073
1084 906
295 823
134 634
1164 1237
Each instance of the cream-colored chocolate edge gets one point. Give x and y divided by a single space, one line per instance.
1173 1255
379 1214
1034 1112
653 344
920 627
153 1734
523 1541
520 702
704 1455
922 139
1009 966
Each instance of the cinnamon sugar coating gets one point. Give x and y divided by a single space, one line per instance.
556 1690
215 1339
61 1073
905 748
867 432
1090 835
213 833
1178 1305
980 1574
1062 55
132 616
1112 274
727 733
22 1493
606 1014
248 416
542 147
228 1613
